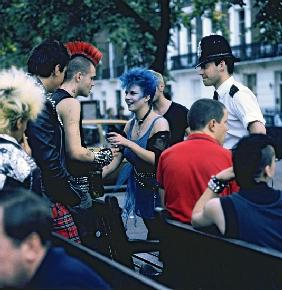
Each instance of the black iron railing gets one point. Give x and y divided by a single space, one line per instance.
245 52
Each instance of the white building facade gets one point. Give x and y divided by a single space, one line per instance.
260 67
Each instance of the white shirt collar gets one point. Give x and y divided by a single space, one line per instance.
225 86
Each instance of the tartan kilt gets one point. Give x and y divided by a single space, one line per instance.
63 223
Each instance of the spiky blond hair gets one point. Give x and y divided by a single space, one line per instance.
20 97
159 76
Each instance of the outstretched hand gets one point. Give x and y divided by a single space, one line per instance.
117 140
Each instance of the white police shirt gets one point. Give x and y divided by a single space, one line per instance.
242 107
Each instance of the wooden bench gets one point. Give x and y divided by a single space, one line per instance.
110 239
197 260
116 275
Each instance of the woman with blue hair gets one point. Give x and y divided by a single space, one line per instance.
145 136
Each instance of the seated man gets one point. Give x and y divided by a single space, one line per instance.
27 259
254 214
185 168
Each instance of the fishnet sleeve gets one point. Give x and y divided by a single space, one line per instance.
158 143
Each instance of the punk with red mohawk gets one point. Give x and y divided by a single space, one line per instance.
81 48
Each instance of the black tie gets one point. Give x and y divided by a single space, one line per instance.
215 95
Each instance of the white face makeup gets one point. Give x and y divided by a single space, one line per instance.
133 95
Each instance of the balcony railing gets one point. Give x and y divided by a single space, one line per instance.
244 52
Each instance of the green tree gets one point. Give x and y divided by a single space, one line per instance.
140 28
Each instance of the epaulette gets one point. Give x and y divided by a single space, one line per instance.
233 91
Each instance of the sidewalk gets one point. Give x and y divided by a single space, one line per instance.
134 232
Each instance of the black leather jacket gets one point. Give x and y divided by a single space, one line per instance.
46 139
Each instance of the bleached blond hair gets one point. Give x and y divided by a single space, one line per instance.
159 76
20 98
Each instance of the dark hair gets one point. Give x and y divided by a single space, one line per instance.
229 63
250 156
204 110
46 56
25 213
77 64
141 77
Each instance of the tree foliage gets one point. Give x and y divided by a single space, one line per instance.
269 20
140 28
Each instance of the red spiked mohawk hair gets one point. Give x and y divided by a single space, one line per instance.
85 49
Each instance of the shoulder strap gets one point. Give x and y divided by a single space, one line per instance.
58 96
153 123
132 121
53 100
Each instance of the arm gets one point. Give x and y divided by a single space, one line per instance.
200 204
46 152
247 109
208 210
146 155
224 175
113 165
212 213
69 112
256 127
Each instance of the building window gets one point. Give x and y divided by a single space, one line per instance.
199 29
250 80
90 109
278 91
118 99
189 40
242 34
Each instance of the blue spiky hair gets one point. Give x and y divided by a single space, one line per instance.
141 77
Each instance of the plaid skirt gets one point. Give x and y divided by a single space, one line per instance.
63 223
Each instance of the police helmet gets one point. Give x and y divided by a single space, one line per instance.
213 47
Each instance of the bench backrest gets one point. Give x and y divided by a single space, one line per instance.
110 237
110 234
196 260
117 276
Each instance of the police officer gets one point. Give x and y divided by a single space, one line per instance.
216 66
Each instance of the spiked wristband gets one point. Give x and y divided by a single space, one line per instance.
216 185
103 157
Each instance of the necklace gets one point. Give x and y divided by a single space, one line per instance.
140 122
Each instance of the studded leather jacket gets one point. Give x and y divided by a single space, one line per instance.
46 139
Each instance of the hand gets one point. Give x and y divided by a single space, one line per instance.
117 139
226 174
25 145
115 151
